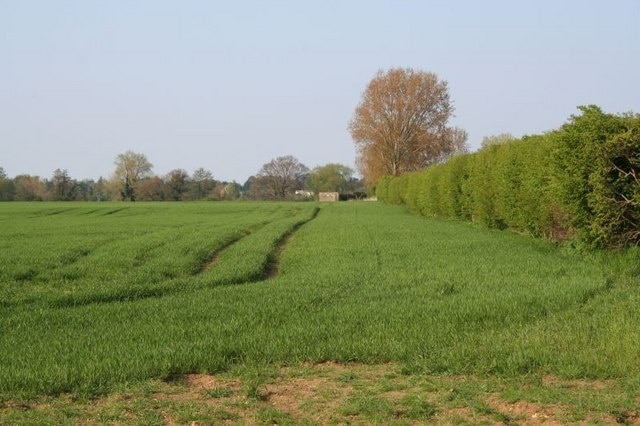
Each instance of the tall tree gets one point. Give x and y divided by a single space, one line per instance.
202 183
177 183
131 167
63 188
278 179
7 187
330 177
400 124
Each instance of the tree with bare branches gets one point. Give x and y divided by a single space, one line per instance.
401 125
279 178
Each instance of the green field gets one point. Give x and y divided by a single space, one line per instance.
104 299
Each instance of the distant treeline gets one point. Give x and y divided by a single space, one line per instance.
581 181
283 178
175 186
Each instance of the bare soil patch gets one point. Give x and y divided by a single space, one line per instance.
313 398
553 381
529 413
325 393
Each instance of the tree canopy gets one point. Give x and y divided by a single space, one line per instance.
279 178
401 124
131 167
63 187
177 184
330 177
500 139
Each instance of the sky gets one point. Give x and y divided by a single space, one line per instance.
230 85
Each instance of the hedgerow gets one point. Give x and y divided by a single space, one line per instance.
579 181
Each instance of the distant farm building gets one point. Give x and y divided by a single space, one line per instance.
328 196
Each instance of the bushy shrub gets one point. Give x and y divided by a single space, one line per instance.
615 196
382 188
481 187
413 190
455 176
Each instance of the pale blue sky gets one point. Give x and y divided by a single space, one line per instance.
230 85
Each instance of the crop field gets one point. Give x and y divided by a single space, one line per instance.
355 312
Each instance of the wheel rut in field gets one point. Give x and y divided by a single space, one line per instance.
51 212
164 289
376 246
217 252
273 265
271 271
215 255
114 211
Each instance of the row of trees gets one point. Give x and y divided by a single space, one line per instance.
176 185
133 179
287 178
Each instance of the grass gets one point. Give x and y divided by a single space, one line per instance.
144 252
99 296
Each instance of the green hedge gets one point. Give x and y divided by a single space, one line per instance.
579 181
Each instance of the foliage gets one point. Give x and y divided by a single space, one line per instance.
580 179
332 177
597 166
616 190
497 139
177 183
7 187
202 183
63 187
400 124
29 188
